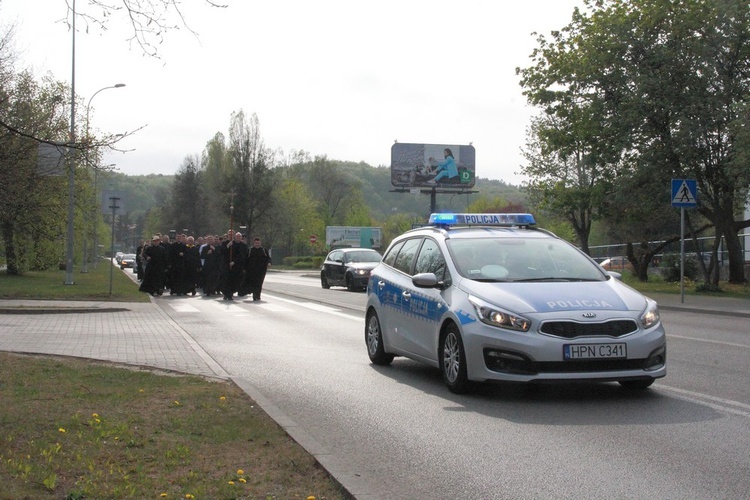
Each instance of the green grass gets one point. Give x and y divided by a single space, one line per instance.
78 429
93 285
656 284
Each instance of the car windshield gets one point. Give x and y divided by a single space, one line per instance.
129 256
521 259
363 256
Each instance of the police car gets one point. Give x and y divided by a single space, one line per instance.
490 297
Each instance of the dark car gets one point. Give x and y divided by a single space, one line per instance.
349 267
127 260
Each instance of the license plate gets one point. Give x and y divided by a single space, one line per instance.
595 351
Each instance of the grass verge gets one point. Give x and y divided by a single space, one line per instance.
93 285
656 284
78 429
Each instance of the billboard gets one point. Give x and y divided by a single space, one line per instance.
350 236
433 165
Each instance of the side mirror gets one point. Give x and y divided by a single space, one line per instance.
615 275
426 280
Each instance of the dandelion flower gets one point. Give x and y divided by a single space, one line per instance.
141 390
188 495
242 480
223 398
311 497
163 495
62 430
231 483
177 403
95 415
240 471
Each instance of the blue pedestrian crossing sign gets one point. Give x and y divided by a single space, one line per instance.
684 193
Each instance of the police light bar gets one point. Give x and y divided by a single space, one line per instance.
482 219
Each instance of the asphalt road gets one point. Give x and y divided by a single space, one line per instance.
396 432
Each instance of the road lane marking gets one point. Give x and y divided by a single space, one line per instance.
721 404
318 307
709 341
184 308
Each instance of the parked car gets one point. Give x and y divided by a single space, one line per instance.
118 256
127 260
349 267
616 264
489 297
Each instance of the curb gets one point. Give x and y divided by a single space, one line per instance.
60 310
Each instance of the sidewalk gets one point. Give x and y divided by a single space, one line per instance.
138 334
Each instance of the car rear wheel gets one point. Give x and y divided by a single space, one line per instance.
636 384
374 341
453 360
324 281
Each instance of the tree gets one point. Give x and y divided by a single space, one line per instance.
253 180
664 81
31 205
187 204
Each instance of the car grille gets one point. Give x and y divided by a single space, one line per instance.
520 364
572 329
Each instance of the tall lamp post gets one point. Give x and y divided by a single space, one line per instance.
71 163
94 217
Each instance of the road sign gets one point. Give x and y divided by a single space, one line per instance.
313 239
684 193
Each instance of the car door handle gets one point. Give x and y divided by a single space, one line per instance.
381 284
406 295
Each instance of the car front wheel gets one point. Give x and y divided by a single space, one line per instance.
350 283
374 341
453 360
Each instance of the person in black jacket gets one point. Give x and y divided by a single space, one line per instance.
212 260
154 263
256 266
235 254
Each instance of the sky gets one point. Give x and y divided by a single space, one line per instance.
342 78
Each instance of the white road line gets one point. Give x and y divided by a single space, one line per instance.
709 341
720 404
318 307
184 308
273 307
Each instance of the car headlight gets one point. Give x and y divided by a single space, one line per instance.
650 316
361 272
494 316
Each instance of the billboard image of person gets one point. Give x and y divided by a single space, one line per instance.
431 165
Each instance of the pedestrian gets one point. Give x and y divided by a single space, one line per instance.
258 262
235 254
153 259
192 266
139 261
212 260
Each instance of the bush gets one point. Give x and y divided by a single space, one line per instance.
670 268
708 288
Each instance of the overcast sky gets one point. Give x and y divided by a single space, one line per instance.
342 78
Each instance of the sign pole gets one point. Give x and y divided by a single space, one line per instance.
682 255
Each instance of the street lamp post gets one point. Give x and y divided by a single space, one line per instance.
71 162
94 217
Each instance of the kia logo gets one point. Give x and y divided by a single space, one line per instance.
589 315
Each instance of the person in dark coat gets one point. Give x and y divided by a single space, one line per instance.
235 254
153 261
139 261
258 261
177 266
192 266
212 261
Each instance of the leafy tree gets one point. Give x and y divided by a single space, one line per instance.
661 82
31 205
186 207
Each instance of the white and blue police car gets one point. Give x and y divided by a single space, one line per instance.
490 297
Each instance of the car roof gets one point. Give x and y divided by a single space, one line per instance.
480 232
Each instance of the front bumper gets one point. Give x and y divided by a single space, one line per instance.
495 354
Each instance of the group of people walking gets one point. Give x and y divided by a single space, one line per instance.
217 266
